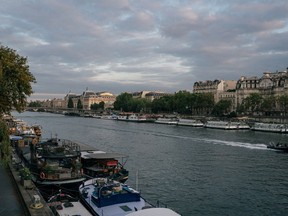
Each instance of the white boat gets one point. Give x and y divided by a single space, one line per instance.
226 125
132 118
170 121
154 212
63 204
190 122
270 127
105 197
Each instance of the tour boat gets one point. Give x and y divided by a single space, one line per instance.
97 163
270 127
189 122
170 121
132 118
103 196
226 125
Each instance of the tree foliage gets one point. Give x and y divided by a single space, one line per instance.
5 148
15 80
35 104
222 108
79 104
283 103
70 103
96 106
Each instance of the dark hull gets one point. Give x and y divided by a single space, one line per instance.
48 189
284 149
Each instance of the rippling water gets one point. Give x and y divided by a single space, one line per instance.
195 171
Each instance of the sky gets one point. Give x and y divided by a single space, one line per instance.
143 45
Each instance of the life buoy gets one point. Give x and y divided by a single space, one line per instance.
34 141
42 175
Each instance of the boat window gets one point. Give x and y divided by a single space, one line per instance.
125 208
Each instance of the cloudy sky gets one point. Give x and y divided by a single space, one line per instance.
135 45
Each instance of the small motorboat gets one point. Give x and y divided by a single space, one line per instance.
278 146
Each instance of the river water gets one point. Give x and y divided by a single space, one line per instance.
195 171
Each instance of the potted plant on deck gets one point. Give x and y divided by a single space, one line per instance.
26 177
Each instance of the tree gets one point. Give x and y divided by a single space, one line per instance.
283 103
5 147
123 102
222 107
79 104
252 102
15 81
94 106
70 103
102 105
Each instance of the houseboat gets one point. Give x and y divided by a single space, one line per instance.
97 163
54 164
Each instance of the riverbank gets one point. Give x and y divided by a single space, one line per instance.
27 195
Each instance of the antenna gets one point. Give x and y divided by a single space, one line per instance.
137 176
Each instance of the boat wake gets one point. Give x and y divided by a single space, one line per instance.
258 146
237 144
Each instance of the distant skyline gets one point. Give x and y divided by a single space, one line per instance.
137 45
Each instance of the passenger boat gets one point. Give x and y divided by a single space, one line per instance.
226 125
132 118
102 164
63 204
107 197
270 127
278 146
170 121
189 122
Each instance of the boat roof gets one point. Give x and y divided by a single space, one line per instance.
102 155
13 137
154 212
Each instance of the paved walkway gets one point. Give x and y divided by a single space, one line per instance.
10 203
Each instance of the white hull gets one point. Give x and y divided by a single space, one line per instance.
166 121
190 122
226 125
266 127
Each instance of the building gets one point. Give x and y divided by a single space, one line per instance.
150 95
270 84
221 90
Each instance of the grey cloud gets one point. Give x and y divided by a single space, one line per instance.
121 45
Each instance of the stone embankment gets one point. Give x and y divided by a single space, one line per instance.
28 193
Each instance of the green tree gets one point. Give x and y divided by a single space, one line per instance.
283 103
252 102
70 103
268 104
15 81
222 107
94 106
123 102
35 104
5 148
102 105
79 104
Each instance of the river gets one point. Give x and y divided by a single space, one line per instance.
195 171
